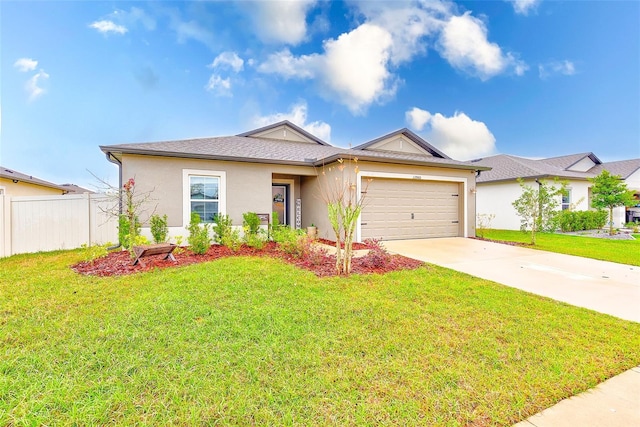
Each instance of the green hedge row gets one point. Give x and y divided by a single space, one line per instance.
581 220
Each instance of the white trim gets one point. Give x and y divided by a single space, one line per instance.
415 177
222 191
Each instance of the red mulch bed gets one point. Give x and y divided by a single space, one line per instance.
120 263
355 246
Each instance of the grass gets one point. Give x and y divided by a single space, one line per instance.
254 341
620 251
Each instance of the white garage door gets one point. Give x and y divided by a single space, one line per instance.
410 209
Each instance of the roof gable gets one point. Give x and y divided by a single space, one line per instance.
402 141
581 162
285 131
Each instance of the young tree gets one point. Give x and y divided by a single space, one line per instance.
537 207
338 189
127 204
609 191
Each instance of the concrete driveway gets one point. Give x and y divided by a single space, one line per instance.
598 285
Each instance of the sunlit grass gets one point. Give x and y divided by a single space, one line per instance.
254 341
620 251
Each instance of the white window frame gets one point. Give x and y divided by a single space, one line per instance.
186 191
565 206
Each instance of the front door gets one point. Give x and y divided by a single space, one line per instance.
280 202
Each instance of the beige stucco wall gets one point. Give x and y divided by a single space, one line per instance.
314 207
248 185
22 188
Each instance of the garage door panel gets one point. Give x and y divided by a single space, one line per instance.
402 209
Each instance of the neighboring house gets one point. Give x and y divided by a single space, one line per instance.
498 188
14 183
412 189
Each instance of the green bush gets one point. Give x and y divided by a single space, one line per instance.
231 239
251 222
289 241
124 231
198 239
581 220
254 236
223 226
159 228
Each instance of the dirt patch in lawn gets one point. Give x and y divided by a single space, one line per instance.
318 261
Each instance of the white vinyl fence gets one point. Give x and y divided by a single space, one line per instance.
46 223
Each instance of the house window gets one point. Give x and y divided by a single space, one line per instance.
204 194
566 200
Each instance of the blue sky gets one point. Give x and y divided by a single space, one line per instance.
533 78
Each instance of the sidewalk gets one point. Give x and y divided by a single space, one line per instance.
614 403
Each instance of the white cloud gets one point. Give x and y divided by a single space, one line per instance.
288 66
523 7
463 43
219 86
458 136
33 85
409 23
417 118
281 21
565 68
352 69
106 27
229 60
25 64
355 67
297 116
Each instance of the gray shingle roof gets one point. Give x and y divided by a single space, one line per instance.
624 168
21 177
263 150
506 167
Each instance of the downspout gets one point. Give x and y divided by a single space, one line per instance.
112 159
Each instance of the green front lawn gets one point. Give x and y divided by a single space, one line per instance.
620 251
255 341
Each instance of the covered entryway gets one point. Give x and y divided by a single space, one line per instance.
411 209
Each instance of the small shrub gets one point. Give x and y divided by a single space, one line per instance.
198 239
223 226
140 240
289 240
124 231
251 222
634 226
231 239
93 252
257 240
377 257
483 222
254 236
314 254
179 248
159 228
